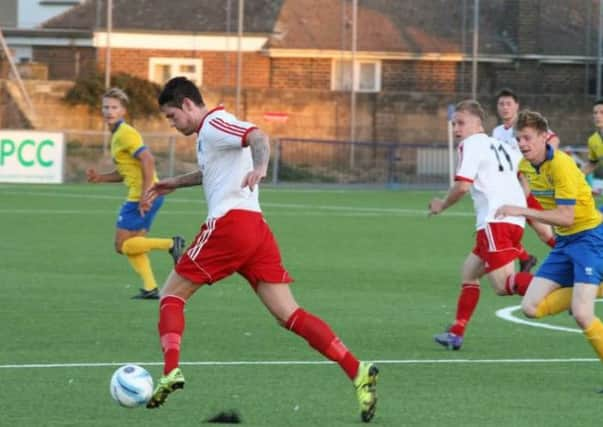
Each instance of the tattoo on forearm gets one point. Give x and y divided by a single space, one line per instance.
260 150
190 179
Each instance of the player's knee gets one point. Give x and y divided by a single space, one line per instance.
117 246
530 309
501 291
583 315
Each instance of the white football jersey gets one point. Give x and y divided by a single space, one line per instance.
224 160
487 163
507 135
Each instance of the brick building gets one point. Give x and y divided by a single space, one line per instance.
411 58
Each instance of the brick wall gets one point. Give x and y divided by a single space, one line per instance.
219 68
300 73
427 76
408 117
528 32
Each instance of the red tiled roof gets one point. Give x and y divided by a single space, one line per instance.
407 26
203 16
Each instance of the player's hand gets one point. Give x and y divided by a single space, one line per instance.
93 176
160 188
508 210
253 178
436 206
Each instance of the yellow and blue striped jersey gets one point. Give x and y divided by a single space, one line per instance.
126 144
559 181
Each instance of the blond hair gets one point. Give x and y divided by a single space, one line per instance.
119 94
531 119
472 107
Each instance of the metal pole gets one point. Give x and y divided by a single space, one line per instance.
108 44
463 45
354 80
599 42
588 52
475 49
450 146
239 57
15 72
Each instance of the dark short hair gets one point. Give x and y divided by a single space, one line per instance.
507 92
178 88
531 119
598 102
472 107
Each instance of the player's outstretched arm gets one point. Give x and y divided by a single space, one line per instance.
562 215
456 192
168 185
260 153
93 176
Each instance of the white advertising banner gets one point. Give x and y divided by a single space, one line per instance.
31 156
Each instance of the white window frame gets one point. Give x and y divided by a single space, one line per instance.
174 63
336 85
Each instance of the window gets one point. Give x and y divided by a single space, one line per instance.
163 69
368 75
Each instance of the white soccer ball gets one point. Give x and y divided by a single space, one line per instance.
131 386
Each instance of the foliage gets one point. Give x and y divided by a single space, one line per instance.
142 93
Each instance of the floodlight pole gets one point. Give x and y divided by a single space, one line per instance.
239 57
108 44
354 83
475 49
599 44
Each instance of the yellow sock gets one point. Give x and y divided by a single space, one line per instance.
556 302
142 265
140 245
594 335
600 292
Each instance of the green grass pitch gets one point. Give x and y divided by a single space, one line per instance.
371 263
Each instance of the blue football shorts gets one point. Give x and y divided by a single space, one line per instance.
577 258
130 219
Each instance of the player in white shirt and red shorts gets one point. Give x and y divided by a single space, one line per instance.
233 157
487 169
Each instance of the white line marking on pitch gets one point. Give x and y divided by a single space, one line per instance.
328 208
507 314
298 362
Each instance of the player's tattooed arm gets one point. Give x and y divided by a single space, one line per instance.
260 150
260 154
189 179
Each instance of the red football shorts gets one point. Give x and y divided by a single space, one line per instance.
498 244
239 242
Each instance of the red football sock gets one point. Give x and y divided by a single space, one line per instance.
320 337
171 327
465 307
551 242
518 283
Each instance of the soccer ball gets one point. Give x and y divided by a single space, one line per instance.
131 386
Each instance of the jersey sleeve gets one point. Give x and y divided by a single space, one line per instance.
468 161
132 143
227 132
595 149
566 184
